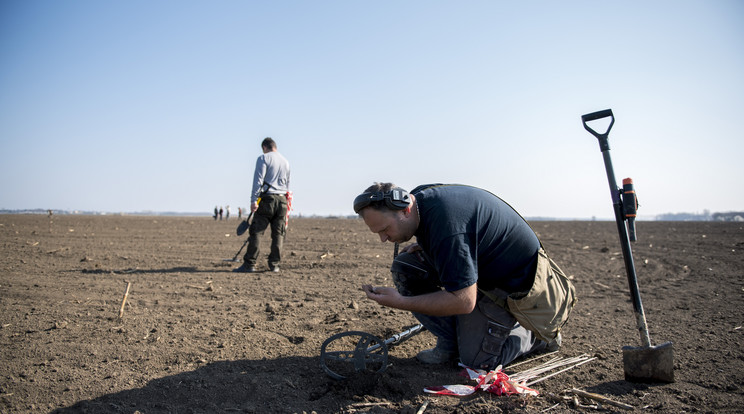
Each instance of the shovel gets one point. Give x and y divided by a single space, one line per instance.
644 363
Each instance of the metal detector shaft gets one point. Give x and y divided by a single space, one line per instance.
604 146
398 338
235 258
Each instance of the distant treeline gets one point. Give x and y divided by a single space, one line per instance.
705 216
102 213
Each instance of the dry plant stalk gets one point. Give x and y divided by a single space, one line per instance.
426 403
124 301
601 398
370 404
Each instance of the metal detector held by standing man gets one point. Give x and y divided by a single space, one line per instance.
655 363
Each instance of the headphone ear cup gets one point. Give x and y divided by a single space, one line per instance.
397 199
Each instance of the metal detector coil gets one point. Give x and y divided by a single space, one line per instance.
353 352
358 352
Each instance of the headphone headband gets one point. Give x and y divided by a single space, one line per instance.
395 199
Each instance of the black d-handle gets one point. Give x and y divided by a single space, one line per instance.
603 141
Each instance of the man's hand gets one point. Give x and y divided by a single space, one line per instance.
385 296
413 247
254 206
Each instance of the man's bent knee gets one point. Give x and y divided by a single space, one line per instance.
413 276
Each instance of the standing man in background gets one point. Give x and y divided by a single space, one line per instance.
270 187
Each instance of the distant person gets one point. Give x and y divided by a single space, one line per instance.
270 185
216 213
471 247
240 213
227 212
221 211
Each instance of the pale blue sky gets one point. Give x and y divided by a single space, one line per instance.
162 105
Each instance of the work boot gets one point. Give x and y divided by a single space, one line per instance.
244 268
436 355
555 344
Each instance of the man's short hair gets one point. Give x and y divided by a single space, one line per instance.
268 143
382 196
380 187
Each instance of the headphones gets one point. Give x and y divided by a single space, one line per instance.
395 199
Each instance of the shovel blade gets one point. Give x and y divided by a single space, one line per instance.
649 364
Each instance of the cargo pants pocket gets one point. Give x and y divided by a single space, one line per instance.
483 333
494 338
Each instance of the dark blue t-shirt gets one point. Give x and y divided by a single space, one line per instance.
474 236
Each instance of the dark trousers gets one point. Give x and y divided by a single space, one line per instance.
272 211
485 338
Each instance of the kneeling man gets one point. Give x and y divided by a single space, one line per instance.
470 247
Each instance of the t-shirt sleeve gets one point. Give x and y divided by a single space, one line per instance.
258 178
456 262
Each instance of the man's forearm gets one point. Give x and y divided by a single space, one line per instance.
441 303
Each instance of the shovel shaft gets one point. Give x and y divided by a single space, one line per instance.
617 204
635 293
